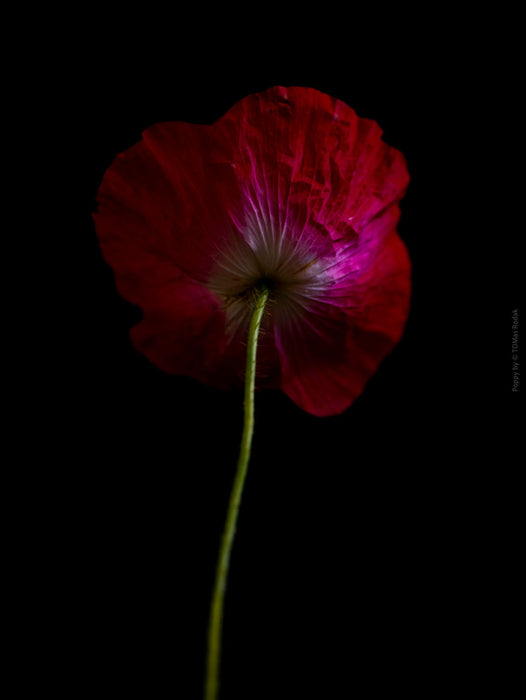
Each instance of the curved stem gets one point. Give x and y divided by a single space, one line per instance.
216 611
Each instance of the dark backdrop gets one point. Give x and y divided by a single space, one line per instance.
370 544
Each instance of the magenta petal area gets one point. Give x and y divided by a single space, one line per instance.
326 365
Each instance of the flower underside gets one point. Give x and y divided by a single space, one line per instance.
293 273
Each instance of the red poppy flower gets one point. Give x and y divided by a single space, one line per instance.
291 188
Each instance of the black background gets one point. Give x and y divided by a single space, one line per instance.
374 551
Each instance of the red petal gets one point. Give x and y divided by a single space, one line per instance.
183 333
160 195
304 159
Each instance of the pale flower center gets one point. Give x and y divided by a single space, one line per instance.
292 273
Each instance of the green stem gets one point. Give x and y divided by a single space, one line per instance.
216 611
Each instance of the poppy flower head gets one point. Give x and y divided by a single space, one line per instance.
289 190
